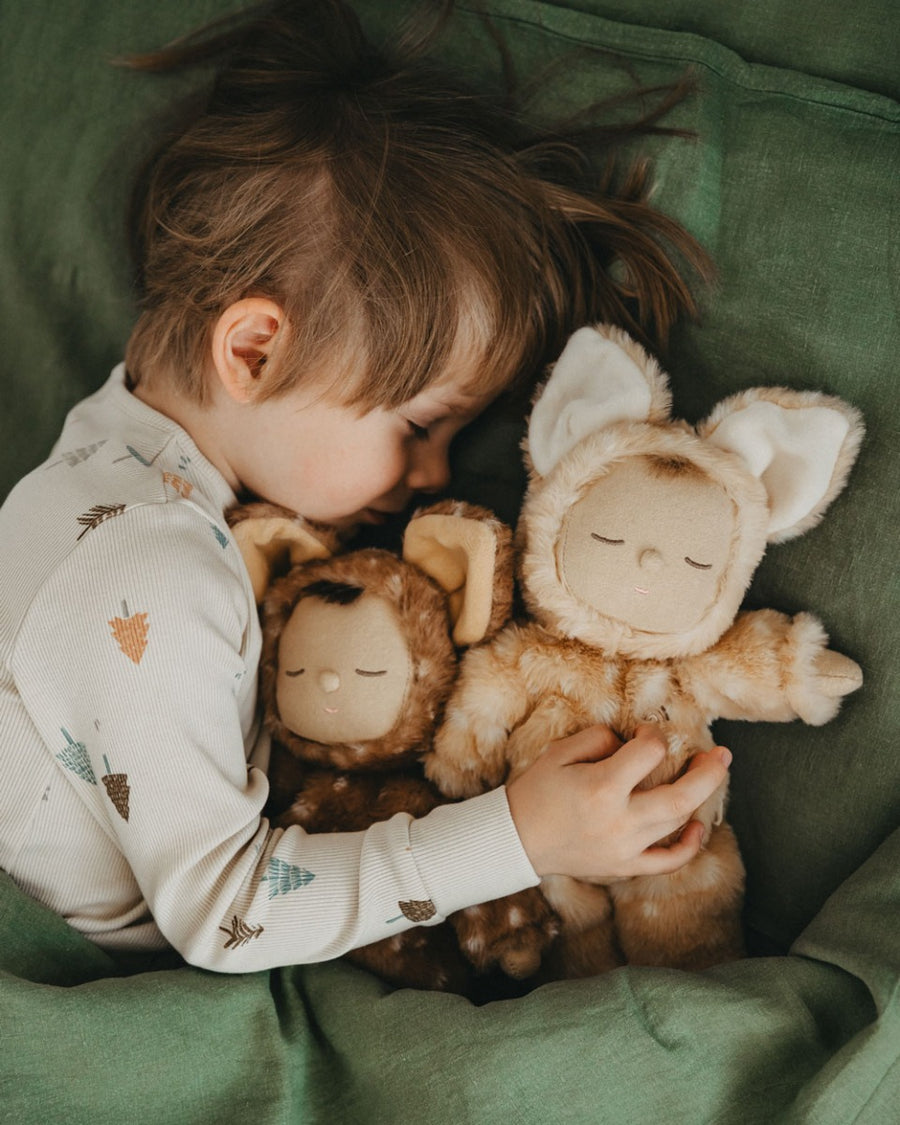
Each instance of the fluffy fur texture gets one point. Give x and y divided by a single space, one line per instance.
349 786
572 664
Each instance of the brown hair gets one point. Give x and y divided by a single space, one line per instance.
392 214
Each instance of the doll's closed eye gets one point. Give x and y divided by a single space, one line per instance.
297 672
603 539
697 565
363 672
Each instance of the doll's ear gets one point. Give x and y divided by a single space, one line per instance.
800 444
467 551
602 377
272 540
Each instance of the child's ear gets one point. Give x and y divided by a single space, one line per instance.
243 339
467 551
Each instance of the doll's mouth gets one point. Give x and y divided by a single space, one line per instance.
641 590
330 710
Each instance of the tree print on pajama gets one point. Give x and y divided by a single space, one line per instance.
130 632
74 757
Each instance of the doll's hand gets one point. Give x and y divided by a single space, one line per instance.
836 675
578 812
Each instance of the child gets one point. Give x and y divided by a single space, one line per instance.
343 261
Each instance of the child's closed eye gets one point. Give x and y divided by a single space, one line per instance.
420 433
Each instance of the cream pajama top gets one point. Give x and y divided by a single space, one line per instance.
133 762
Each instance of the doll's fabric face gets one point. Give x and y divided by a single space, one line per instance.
648 544
344 667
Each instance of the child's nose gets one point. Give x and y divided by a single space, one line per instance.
650 559
329 681
429 470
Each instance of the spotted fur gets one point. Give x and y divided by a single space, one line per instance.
567 666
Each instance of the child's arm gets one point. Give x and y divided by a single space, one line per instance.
773 668
146 711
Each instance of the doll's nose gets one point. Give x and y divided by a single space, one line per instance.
650 559
329 681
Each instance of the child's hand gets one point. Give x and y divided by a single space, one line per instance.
578 813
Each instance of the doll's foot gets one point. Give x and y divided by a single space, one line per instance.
836 674
512 933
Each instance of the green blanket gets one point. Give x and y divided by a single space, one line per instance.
792 184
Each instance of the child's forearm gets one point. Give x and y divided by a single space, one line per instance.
306 898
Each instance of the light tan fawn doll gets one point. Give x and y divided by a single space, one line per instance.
360 651
637 539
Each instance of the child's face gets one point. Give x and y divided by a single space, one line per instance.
330 463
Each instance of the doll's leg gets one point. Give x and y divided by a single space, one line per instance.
424 957
285 773
586 945
331 801
512 932
689 919
336 801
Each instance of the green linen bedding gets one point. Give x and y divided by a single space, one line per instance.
792 184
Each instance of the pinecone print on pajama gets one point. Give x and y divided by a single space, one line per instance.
130 632
74 757
416 910
117 788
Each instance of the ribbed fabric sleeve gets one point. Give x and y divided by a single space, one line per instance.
454 841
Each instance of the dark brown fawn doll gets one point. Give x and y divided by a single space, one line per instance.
360 652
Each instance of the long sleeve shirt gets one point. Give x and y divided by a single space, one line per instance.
133 759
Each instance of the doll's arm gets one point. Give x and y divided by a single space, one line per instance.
774 668
489 700
338 801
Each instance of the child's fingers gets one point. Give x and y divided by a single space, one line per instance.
591 744
663 861
701 756
668 806
638 757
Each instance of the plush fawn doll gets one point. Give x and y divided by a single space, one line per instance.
637 539
359 656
